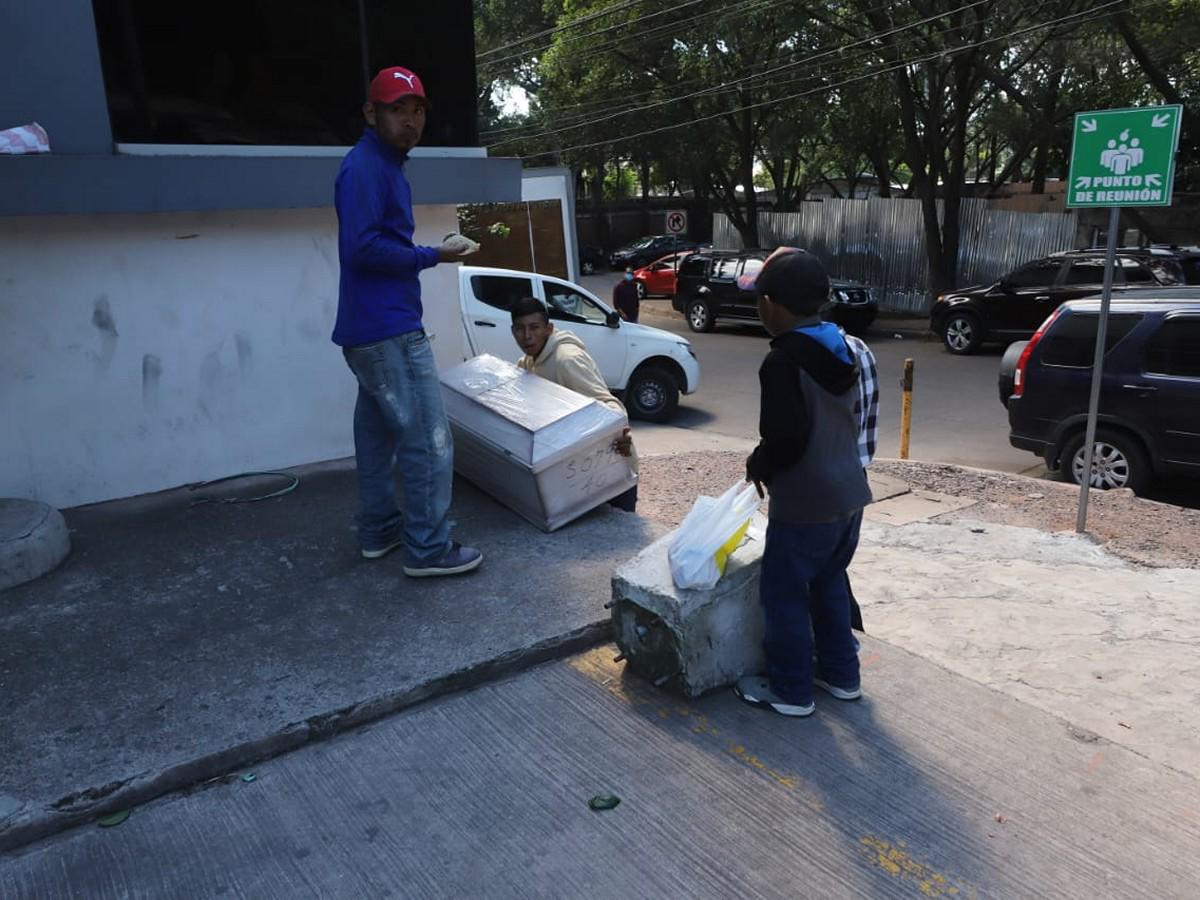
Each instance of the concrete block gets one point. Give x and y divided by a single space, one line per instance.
33 540
690 641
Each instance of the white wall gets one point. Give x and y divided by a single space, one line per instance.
556 184
141 352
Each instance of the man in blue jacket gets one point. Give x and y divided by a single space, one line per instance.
399 417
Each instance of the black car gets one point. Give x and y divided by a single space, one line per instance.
591 259
718 284
1149 420
1013 307
645 250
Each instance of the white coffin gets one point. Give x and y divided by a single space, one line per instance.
542 450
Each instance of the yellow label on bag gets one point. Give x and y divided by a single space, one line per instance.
722 554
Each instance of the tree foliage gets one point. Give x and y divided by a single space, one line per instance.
725 98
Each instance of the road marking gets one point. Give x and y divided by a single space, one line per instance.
894 860
598 667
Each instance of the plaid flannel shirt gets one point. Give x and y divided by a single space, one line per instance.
867 406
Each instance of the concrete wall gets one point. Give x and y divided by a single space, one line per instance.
556 184
141 352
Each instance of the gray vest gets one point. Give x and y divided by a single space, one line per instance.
828 482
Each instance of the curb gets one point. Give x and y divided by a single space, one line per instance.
916 328
88 804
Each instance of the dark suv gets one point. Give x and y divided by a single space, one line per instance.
1012 308
646 250
714 284
1149 420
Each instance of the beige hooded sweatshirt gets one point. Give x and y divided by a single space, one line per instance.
565 361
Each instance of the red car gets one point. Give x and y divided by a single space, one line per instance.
658 278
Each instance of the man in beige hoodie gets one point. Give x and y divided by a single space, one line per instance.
561 357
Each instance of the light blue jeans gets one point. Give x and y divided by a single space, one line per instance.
399 419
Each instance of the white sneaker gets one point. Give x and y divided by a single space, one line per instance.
841 693
756 690
382 551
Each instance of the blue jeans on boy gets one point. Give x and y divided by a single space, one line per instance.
803 581
399 419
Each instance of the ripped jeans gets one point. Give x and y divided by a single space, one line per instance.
399 420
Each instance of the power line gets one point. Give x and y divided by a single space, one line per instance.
585 118
743 6
824 89
866 40
579 37
558 28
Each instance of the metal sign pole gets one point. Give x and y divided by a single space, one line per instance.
1110 255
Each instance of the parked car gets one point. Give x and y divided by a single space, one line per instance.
645 250
647 366
1149 419
1189 260
717 284
658 278
1013 307
591 259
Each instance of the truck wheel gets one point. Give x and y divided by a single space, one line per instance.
652 394
700 317
962 333
1118 461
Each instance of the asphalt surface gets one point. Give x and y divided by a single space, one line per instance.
957 416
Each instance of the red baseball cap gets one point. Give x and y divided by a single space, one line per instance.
394 84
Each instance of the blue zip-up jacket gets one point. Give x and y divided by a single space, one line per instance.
379 293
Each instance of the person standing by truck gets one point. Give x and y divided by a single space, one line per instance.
398 417
625 297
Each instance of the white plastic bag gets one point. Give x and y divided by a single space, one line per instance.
710 532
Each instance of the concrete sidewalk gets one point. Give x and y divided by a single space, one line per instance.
931 786
176 643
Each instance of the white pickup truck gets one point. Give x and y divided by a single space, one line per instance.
648 367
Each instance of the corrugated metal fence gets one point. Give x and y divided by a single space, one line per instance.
881 242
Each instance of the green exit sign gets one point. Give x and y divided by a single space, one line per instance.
1124 157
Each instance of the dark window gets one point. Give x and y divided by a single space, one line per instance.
1167 270
275 72
1087 271
1175 348
501 291
1072 340
1190 269
693 266
1036 274
1135 272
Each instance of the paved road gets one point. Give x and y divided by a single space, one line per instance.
957 415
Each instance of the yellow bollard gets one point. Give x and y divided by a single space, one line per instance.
906 385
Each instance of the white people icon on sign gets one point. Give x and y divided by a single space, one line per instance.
1120 158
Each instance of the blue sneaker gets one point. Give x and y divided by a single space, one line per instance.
456 560
756 690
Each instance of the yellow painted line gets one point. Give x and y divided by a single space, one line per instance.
597 665
895 861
